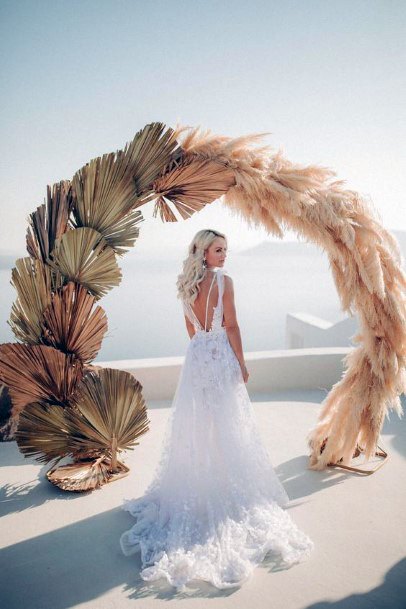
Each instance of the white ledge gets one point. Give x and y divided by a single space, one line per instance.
313 368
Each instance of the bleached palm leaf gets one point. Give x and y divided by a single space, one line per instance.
122 234
190 186
49 221
108 413
83 256
104 196
38 373
85 475
33 280
42 430
70 325
152 149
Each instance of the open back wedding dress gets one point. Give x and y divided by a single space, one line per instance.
214 507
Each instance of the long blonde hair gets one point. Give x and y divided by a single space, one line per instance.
193 268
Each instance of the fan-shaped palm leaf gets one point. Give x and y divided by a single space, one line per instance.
152 149
190 186
33 280
42 430
104 196
83 256
38 372
49 221
108 413
70 325
85 475
7 429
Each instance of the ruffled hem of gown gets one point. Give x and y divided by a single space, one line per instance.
226 558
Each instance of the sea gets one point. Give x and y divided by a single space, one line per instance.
145 317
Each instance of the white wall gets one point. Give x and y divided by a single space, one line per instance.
315 368
304 330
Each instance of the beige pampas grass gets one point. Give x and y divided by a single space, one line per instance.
365 259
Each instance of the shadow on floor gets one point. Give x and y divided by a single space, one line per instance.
391 594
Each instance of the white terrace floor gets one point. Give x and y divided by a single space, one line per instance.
61 550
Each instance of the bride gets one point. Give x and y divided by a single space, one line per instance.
214 508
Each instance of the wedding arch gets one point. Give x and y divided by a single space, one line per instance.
62 405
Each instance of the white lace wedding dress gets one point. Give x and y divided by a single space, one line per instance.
214 507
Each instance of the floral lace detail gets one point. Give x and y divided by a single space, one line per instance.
214 362
214 507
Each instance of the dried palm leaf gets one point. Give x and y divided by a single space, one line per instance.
83 256
108 413
190 186
70 325
38 373
122 234
43 430
7 429
85 475
34 281
152 149
104 196
49 221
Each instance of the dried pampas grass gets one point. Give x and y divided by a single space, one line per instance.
365 259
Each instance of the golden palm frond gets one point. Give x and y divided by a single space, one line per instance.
70 325
38 373
83 256
108 413
42 430
122 234
85 474
104 195
152 149
7 429
49 221
108 189
165 212
190 186
33 280
5 404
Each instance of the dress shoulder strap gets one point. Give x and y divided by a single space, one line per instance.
220 282
207 299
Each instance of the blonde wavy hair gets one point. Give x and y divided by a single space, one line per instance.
193 268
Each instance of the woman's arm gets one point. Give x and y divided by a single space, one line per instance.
230 320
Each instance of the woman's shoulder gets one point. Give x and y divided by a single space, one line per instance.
227 277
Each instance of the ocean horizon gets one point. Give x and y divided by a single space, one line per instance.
145 317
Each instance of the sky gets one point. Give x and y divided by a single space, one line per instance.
325 80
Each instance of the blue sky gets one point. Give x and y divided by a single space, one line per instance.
79 78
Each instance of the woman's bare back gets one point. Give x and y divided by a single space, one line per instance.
199 305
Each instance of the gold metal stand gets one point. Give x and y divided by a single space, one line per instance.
380 452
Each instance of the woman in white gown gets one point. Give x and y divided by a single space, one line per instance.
214 508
